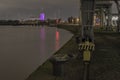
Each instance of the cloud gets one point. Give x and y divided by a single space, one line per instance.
17 9
23 8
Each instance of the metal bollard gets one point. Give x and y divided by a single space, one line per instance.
58 65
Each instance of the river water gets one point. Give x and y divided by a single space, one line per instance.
24 48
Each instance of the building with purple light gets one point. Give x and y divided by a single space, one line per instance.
42 16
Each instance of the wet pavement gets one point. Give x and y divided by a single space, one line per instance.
105 63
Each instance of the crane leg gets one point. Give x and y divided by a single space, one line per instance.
87 44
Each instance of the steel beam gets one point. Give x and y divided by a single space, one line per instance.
87 44
87 12
118 7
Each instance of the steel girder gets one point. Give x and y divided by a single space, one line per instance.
87 14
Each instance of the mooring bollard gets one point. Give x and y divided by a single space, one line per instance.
58 64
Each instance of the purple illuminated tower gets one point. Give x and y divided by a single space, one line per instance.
42 16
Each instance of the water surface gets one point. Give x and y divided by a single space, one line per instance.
24 48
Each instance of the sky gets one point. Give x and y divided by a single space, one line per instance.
24 9
21 9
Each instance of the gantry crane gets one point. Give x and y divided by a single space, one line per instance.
118 8
86 46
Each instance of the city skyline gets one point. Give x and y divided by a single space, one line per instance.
21 9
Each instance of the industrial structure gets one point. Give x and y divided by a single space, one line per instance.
106 14
89 9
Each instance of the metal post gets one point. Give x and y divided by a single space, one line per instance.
87 12
86 71
58 62
109 18
87 44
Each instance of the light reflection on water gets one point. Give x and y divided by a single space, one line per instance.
57 43
42 43
43 38
24 48
42 33
49 40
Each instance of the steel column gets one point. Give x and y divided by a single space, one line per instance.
87 44
87 12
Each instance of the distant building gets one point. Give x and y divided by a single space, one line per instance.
54 21
73 20
42 16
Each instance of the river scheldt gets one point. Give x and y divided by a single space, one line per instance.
24 48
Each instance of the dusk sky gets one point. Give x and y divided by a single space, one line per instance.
22 9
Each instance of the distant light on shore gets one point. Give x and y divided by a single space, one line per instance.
42 16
